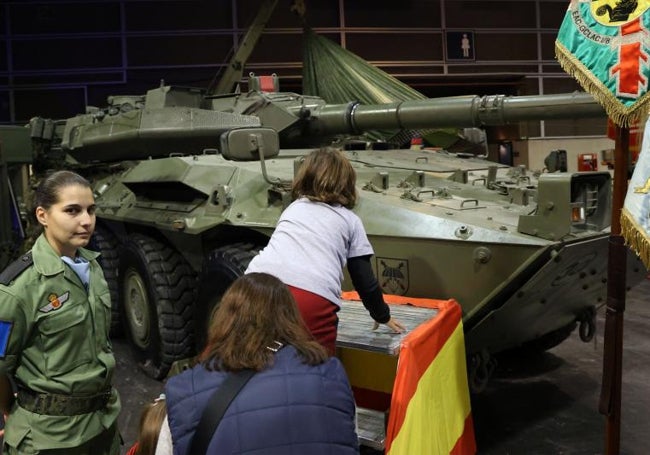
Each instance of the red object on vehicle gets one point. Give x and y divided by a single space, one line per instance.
416 143
268 84
587 162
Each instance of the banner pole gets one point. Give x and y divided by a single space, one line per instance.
610 396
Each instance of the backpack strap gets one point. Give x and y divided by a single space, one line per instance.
216 408
17 267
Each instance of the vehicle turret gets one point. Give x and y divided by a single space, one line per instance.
178 120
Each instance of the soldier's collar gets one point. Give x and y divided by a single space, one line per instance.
48 263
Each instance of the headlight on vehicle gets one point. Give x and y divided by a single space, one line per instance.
577 213
592 191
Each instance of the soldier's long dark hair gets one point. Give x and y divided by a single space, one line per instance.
255 312
326 175
47 192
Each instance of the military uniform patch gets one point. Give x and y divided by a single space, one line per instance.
393 275
5 332
17 267
56 302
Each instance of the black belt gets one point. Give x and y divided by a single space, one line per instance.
61 405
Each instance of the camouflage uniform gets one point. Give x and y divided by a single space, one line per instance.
54 342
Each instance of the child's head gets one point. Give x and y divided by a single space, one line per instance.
151 420
326 176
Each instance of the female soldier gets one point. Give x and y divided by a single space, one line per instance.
316 236
298 400
54 322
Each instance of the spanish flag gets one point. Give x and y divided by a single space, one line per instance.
430 411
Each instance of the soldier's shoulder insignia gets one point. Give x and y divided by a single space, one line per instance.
55 302
17 267
5 332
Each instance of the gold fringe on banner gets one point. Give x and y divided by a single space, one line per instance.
635 237
620 114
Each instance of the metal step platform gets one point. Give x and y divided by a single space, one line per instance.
371 428
355 327
355 332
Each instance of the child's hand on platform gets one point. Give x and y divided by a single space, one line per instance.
393 324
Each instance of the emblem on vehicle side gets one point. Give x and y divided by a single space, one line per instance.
56 302
393 275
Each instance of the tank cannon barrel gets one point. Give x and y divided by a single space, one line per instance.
459 111
177 120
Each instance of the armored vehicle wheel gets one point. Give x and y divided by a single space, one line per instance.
105 243
157 288
223 266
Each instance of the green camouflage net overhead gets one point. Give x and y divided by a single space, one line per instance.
339 76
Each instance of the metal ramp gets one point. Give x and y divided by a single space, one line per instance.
371 428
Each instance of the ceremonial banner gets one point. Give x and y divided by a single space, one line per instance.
635 217
604 44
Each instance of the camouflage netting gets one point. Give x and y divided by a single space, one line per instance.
339 76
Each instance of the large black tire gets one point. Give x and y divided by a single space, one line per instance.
223 266
104 242
158 291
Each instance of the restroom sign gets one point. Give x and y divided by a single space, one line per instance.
460 45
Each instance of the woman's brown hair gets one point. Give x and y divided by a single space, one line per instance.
255 312
326 175
151 420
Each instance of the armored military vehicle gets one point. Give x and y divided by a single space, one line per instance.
189 186
15 157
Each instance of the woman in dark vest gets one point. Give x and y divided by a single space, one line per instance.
298 401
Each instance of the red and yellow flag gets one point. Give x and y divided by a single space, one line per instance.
430 412
430 409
